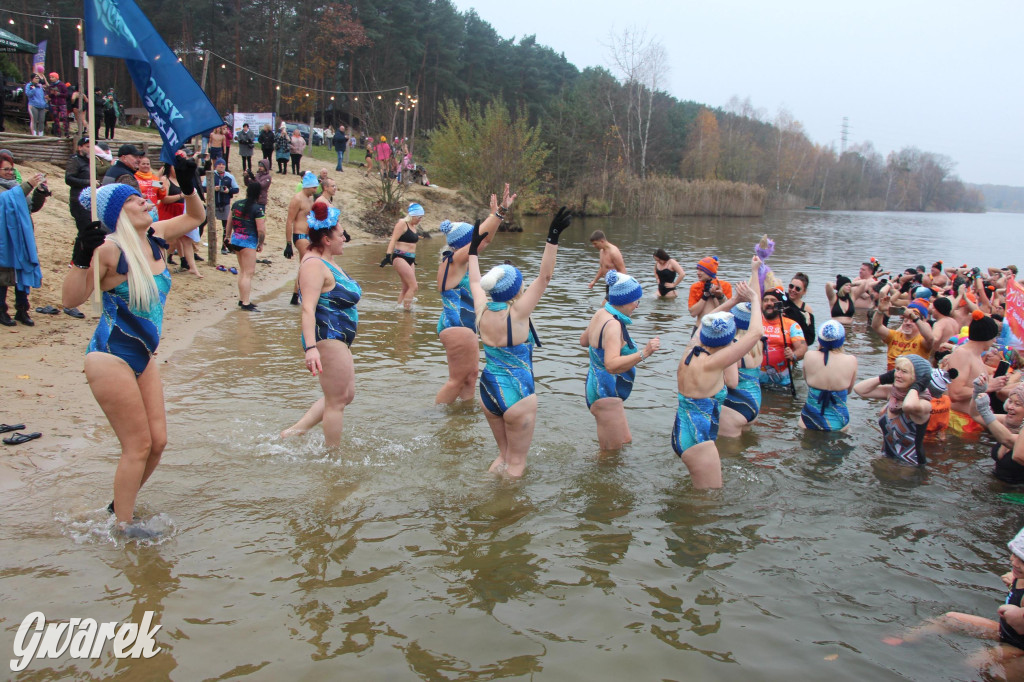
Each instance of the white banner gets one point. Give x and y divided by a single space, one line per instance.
255 121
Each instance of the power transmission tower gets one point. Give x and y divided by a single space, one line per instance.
845 129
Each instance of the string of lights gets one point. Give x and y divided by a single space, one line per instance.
354 93
40 16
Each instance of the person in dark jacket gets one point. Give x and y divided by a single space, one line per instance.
266 140
246 144
124 168
340 141
76 176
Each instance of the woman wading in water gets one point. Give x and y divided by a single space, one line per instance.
135 281
506 384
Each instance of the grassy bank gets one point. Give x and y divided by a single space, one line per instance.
661 196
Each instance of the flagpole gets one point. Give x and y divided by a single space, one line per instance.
97 306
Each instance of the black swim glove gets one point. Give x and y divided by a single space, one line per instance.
185 171
288 253
558 224
886 378
346 235
388 259
88 240
477 240
921 383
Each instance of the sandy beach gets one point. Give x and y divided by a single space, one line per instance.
43 365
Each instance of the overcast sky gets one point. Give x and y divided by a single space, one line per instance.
943 76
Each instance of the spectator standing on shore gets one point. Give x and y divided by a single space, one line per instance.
282 149
340 142
263 178
79 105
246 147
124 168
19 263
225 187
110 114
76 176
35 92
296 145
266 140
57 94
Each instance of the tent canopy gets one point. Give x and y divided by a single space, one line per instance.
12 43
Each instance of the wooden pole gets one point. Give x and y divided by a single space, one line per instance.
211 221
97 304
81 79
202 81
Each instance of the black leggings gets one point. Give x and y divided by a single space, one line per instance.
296 160
246 163
282 165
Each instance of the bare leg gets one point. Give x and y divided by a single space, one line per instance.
730 423
704 465
188 253
969 624
314 415
338 383
407 273
463 351
520 420
612 426
135 410
497 425
246 268
301 246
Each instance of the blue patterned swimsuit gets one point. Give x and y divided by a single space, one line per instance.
600 382
825 410
696 418
132 335
336 315
457 303
508 373
746 397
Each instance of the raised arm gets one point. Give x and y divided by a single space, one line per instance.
473 266
532 295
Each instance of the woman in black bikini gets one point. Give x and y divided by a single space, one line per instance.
842 305
669 272
401 253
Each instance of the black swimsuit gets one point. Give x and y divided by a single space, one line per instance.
409 237
837 308
666 276
1007 635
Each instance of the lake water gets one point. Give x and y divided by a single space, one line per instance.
398 557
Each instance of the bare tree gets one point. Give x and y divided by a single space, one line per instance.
641 64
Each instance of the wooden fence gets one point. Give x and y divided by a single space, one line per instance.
57 150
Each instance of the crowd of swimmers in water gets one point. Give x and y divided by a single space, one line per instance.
952 363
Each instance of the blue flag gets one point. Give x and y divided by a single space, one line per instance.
175 102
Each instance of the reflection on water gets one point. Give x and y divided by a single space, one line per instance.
397 556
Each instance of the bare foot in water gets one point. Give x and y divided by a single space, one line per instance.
292 431
497 466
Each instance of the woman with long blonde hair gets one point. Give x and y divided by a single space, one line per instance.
134 280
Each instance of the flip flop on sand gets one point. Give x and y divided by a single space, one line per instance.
222 268
4 428
19 438
47 310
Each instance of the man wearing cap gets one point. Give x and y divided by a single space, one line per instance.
225 187
124 168
76 176
57 94
707 293
296 231
914 335
783 338
968 360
